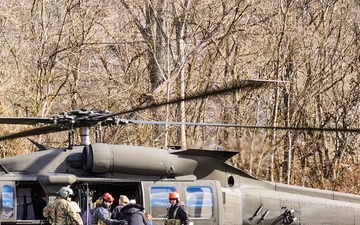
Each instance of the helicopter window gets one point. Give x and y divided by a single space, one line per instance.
7 197
199 201
159 200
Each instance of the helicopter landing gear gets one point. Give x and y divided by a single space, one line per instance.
286 218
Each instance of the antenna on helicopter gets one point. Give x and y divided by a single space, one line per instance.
38 145
6 171
263 217
256 213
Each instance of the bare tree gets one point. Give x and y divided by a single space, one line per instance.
62 55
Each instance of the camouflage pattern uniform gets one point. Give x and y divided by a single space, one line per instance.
60 212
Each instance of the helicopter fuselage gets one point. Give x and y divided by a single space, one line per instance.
214 192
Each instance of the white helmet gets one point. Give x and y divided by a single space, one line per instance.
65 192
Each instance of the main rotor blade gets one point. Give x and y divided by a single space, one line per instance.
36 131
238 86
25 120
327 129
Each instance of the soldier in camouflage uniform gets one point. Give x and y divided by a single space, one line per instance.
102 214
60 212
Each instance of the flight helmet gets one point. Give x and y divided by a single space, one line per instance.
175 195
65 192
107 197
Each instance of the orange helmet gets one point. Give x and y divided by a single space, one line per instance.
108 197
174 194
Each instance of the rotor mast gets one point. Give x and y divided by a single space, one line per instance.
85 136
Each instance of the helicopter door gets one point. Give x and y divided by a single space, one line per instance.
8 201
201 198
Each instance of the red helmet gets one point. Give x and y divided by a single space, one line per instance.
174 194
108 197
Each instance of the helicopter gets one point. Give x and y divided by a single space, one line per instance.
214 192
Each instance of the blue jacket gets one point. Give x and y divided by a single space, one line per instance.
87 217
103 214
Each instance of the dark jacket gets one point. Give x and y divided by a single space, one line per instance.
116 213
180 214
134 214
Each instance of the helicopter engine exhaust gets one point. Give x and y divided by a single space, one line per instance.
137 160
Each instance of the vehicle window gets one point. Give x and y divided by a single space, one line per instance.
200 201
159 201
7 201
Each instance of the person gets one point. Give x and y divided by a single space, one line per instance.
77 209
87 216
149 218
101 213
177 213
116 213
134 214
60 212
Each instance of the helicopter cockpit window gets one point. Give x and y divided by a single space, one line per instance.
159 200
200 201
7 203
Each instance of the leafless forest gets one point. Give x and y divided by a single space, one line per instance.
60 55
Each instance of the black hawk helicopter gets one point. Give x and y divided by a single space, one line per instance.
215 193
